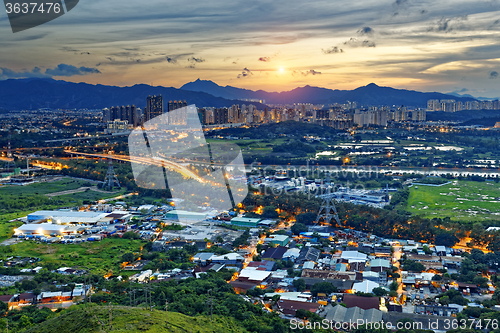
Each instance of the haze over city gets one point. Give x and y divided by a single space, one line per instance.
449 46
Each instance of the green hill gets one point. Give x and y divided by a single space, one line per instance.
128 319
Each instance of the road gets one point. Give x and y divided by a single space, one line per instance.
396 256
159 162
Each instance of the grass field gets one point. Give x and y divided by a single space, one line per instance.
463 201
35 194
128 319
101 257
43 187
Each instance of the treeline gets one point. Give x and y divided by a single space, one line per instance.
392 222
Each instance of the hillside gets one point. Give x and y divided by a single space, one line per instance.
128 319
371 94
29 94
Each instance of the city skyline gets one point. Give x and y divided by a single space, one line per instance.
447 47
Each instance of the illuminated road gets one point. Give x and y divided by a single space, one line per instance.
159 162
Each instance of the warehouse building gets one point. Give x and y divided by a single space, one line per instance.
66 217
277 240
45 229
185 216
245 222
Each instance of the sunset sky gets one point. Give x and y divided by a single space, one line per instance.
272 45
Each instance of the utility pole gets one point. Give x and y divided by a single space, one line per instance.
150 299
327 212
111 180
210 305
166 313
9 164
110 316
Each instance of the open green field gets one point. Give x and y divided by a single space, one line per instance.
463 201
128 319
262 147
17 201
101 257
44 187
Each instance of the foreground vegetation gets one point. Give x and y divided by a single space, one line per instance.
131 319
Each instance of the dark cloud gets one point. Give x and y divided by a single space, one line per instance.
69 49
333 49
32 37
6 73
311 72
400 2
494 75
367 43
172 58
265 59
306 73
70 70
423 11
449 24
75 51
353 42
195 60
59 70
365 31
496 22
246 72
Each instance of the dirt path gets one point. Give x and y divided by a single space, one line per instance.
78 190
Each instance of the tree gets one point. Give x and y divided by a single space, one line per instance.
445 300
269 212
25 321
323 287
301 313
379 291
426 249
394 286
128 257
297 228
299 284
437 277
28 284
446 239
413 266
305 218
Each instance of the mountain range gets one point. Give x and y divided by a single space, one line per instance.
28 94
25 94
370 94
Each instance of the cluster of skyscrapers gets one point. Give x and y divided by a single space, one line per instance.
381 116
130 113
450 105
121 118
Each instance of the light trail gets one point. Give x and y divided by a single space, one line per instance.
159 162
